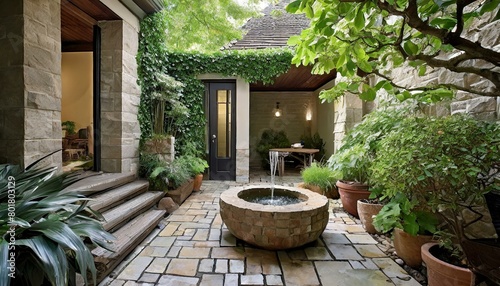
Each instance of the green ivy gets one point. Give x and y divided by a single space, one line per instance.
252 65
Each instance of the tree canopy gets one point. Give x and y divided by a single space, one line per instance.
362 37
207 25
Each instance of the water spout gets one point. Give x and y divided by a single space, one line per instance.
273 161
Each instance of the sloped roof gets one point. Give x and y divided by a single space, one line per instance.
270 30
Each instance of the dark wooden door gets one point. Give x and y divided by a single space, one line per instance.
222 130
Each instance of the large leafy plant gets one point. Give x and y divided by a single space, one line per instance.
48 231
360 145
441 165
358 38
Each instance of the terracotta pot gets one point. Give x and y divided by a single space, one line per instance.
350 193
442 273
331 194
408 246
366 213
198 179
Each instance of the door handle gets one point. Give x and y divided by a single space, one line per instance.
213 138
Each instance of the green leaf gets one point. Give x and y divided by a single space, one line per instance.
421 70
293 7
52 257
368 94
294 40
489 6
444 23
366 67
4 265
359 20
410 48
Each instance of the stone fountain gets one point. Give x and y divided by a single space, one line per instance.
272 217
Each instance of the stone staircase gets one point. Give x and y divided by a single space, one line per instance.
129 212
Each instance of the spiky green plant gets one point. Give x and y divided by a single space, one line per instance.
45 231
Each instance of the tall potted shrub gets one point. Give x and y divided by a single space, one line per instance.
359 149
445 166
163 116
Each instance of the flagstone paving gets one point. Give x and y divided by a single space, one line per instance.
193 247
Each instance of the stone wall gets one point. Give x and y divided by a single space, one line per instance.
30 81
486 108
120 96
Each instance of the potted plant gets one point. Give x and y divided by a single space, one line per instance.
445 166
320 179
412 227
162 140
52 231
359 149
196 163
197 167
69 127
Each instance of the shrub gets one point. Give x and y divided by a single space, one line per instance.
271 139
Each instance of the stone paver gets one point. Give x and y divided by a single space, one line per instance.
252 279
361 238
159 265
196 248
184 267
344 252
171 280
212 279
135 269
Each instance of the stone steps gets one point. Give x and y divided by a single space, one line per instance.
106 200
98 182
128 209
119 215
127 238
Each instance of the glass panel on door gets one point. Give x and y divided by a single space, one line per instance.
224 123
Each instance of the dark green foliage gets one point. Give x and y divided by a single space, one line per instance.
360 145
164 176
442 165
271 139
69 126
314 142
54 230
401 213
253 66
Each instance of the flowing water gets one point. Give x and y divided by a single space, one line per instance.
273 161
265 196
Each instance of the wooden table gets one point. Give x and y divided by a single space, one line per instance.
306 160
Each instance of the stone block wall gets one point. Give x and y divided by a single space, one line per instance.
348 112
293 121
485 108
30 81
120 96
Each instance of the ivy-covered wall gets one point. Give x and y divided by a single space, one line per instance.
252 65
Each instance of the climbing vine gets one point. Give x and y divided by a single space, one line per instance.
252 65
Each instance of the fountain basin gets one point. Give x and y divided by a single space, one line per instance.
274 227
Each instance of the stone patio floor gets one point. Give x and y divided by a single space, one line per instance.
193 247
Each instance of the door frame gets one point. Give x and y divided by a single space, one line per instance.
211 101
97 98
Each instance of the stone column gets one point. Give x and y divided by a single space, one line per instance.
30 81
120 96
348 112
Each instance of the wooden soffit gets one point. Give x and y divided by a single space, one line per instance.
296 79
